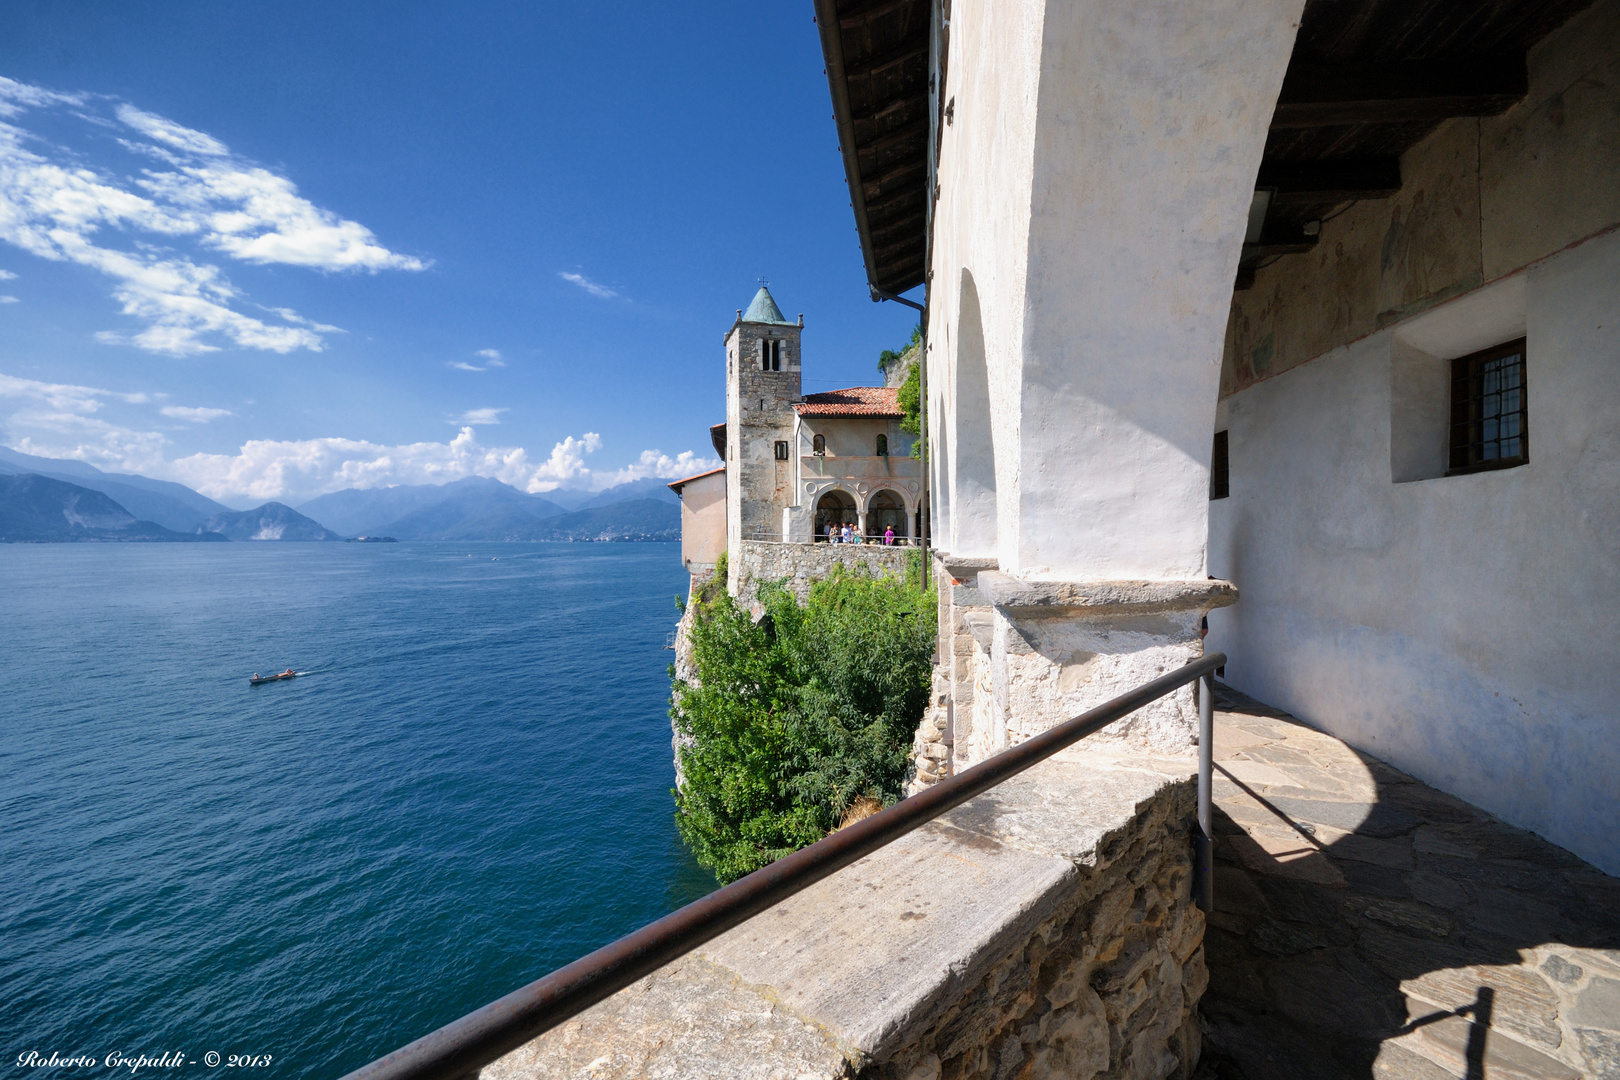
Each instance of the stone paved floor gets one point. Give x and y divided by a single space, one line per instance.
1367 925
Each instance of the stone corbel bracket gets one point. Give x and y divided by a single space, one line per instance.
1034 599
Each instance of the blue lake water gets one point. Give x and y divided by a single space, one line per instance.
470 788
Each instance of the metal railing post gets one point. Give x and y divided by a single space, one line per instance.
1204 838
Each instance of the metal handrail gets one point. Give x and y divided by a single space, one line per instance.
462 1046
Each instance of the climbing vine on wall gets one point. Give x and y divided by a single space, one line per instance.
795 718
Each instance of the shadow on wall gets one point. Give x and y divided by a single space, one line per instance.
1367 925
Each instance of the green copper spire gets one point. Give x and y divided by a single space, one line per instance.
764 309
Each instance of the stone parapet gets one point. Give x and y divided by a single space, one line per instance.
800 565
1044 929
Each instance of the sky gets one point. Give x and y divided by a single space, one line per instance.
272 250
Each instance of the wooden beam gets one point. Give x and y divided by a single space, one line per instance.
876 11
1347 180
868 68
909 173
1276 240
1319 95
901 134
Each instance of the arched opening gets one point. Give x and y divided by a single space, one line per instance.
818 444
882 446
833 510
887 510
973 472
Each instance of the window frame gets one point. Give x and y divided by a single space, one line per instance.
1220 466
1465 441
818 444
882 446
781 450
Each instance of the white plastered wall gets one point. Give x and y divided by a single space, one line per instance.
1466 628
1094 185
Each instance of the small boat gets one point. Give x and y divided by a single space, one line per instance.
257 679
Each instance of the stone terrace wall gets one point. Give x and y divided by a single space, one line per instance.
1042 930
800 564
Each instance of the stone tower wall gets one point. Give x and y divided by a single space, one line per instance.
759 413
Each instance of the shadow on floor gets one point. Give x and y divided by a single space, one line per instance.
1367 925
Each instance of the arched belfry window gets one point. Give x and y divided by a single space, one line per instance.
882 446
819 444
770 354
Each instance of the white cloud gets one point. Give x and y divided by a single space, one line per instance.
63 420
15 96
8 300
54 206
66 397
7 275
196 416
271 469
491 358
293 317
653 463
601 292
480 416
172 134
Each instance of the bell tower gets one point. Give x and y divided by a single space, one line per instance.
762 383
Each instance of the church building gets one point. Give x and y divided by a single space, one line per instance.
797 467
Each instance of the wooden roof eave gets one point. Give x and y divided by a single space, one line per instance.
832 49
886 156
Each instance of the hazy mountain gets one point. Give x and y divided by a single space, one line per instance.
650 488
272 521
363 511
634 519
41 509
476 508
174 506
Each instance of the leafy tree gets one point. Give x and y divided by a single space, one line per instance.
795 717
910 388
910 394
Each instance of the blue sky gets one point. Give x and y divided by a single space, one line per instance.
272 250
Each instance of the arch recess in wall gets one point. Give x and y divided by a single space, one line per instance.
973 468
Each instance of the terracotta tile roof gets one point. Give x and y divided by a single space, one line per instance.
677 485
853 401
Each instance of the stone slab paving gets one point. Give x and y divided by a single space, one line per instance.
1367 925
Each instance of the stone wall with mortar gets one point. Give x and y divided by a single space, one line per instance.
799 565
1043 930
759 414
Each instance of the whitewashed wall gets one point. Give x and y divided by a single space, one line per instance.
1466 629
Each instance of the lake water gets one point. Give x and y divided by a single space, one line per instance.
470 788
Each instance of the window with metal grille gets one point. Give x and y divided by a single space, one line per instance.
1489 410
1220 469
781 450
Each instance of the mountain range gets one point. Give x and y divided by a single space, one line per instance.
272 521
475 508
173 506
37 509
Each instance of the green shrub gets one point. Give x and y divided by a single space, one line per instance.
795 718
